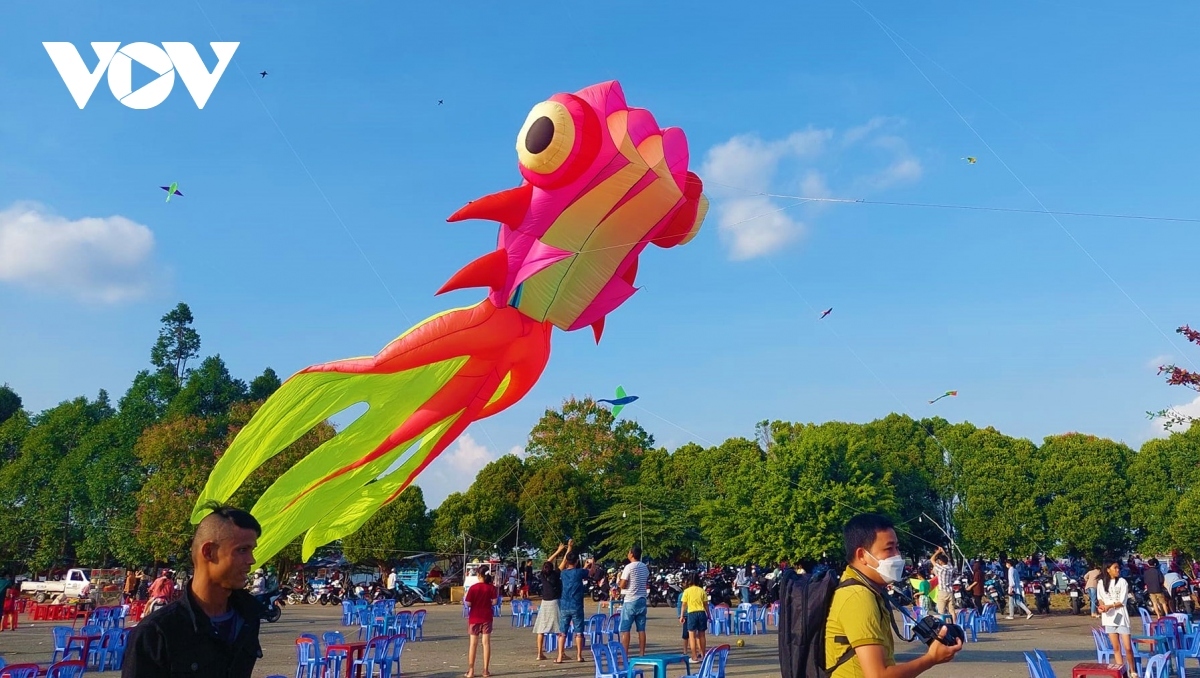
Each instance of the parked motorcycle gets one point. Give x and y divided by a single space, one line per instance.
423 592
1041 595
272 603
1075 594
1181 597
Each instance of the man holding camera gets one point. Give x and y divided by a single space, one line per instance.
858 632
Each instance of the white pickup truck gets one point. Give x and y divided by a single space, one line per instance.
75 585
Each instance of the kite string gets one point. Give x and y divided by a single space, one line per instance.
891 35
311 178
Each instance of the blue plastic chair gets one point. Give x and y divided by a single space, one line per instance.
375 656
518 611
112 651
1032 665
395 648
417 627
603 660
969 621
1146 620
721 620
334 660
710 666
1104 648
69 669
401 624
309 662
621 661
23 670
1157 666
742 621
593 628
61 634
347 613
1043 663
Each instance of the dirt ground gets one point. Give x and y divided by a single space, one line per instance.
443 652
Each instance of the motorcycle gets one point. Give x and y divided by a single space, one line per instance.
424 592
962 596
995 591
1181 597
1075 594
272 603
657 592
1041 595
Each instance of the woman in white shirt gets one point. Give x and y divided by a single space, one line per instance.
1111 591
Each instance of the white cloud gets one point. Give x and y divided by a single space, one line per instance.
755 226
455 469
1189 409
94 259
735 171
1160 360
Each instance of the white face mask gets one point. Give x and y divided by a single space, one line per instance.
891 569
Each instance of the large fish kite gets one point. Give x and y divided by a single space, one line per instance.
601 182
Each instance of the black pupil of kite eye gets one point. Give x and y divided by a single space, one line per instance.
539 136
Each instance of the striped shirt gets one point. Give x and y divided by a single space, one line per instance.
636 575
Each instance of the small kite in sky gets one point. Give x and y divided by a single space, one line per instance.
970 159
619 402
439 102
263 74
171 190
825 313
947 393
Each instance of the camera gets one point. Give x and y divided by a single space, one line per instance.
927 631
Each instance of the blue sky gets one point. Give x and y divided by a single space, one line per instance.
1092 107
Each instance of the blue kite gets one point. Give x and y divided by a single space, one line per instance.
619 402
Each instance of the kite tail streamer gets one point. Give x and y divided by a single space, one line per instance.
421 391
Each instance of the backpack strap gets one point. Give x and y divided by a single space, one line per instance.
885 610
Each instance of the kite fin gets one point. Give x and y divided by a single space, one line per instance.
490 270
598 329
421 392
508 206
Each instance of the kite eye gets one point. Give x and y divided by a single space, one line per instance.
546 139
558 141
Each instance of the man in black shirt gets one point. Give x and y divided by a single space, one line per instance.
1154 586
212 630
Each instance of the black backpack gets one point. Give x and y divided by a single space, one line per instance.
804 603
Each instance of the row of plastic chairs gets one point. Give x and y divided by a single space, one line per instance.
523 613
611 661
382 653
66 669
411 625
355 611
109 652
1189 650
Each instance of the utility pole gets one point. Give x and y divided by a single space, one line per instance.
641 528
517 544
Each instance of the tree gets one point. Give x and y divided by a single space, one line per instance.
10 403
585 436
209 392
995 478
262 386
793 503
399 529
178 455
1086 498
1159 474
660 522
177 343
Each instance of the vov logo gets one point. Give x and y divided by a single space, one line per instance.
171 58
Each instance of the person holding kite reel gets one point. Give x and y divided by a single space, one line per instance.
831 628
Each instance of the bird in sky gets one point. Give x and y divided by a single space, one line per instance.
263 74
439 102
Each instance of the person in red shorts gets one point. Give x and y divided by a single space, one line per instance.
481 598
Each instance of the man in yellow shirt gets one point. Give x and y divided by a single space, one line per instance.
858 631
